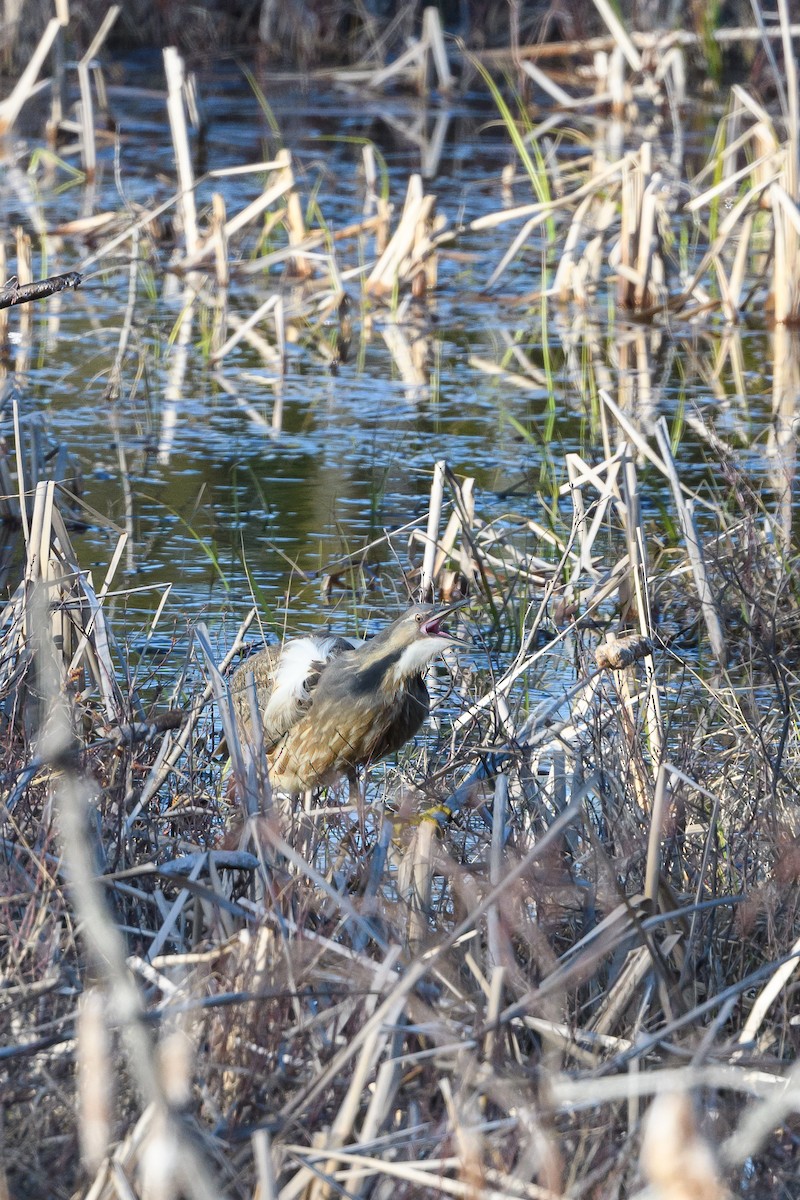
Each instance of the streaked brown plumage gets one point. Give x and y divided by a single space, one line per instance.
330 705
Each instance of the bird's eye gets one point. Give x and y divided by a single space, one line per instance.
418 618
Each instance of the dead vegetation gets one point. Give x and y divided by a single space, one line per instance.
448 987
550 953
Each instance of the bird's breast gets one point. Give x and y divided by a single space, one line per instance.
342 732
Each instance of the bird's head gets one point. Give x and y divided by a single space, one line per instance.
415 637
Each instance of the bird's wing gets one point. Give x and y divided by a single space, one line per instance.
262 666
296 676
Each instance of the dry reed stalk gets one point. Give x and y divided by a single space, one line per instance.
414 63
248 333
24 277
424 272
607 175
497 947
548 85
95 1079
79 627
574 1094
636 542
379 1110
793 122
218 232
774 172
243 328
463 503
427 576
387 1012
248 761
563 283
633 257
672 70
85 64
626 988
432 148
176 80
409 358
10 511
11 107
694 549
370 178
494 1003
488 367
604 478
399 262
678 1162
781 439
539 212
298 264
622 40
732 288
75 796
373 1048
786 272
241 220
94 642
113 1173
3 311
311 243
267 1186
650 290
219 305
415 883
656 42
760 168
410 63
173 751
761 1120
22 484
433 36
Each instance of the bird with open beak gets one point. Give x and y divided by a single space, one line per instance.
330 705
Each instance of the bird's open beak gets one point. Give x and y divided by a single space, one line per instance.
435 625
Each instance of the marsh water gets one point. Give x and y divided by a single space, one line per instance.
227 498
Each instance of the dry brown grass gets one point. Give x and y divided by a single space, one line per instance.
578 893
476 1001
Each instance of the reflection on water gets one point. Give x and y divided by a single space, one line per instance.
234 482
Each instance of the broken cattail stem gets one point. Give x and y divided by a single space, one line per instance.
295 223
220 237
174 70
88 142
12 105
433 36
427 576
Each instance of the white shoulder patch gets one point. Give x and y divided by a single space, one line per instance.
298 668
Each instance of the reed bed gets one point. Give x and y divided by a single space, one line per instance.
550 951
574 899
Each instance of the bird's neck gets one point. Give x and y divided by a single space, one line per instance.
411 661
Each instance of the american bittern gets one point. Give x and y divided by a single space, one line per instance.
330 705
